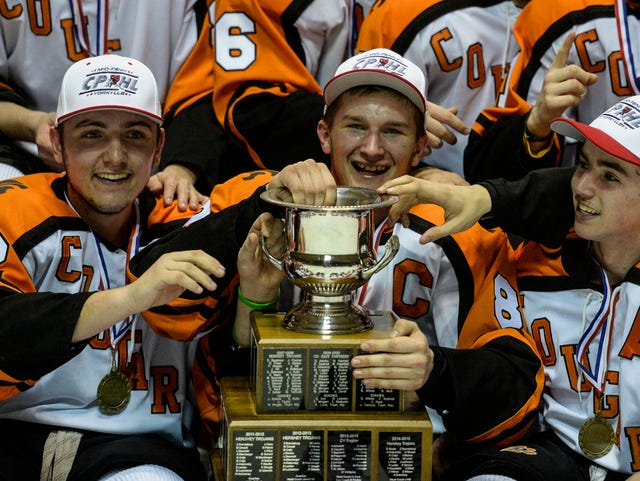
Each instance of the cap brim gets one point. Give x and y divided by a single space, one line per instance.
342 83
150 116
583 132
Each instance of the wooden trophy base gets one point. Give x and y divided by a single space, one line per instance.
320 446
296 371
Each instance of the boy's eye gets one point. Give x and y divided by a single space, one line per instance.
135 134
582 161
92 134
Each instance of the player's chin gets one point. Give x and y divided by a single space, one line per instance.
110 205
587 231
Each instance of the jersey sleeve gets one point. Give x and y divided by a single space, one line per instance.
7 94
206 384
268 54
496 147
238 188
387 22
217 355
538 207
194 137
220 234
489 387
34 341
36 328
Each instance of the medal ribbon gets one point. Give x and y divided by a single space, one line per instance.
624 37
602 324
118 330
81 32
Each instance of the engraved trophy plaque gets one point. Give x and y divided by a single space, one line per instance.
320 446
330 253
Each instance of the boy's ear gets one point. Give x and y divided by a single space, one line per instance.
420 150
324 137
56 144
159 147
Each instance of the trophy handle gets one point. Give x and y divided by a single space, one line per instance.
390 250
278 263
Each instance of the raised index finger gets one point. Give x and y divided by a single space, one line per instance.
563 52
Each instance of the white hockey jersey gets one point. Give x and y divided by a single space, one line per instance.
40 40
50 263
560 305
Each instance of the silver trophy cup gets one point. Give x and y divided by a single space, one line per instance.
329 255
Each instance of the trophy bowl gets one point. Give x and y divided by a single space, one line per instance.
329 254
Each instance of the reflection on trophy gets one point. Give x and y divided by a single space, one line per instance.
329 255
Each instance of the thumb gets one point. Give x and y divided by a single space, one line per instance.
154 184
439 231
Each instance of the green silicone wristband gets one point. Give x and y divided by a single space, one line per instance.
257 306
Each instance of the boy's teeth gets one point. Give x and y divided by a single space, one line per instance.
586 210
112 176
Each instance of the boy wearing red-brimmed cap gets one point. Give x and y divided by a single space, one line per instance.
581 301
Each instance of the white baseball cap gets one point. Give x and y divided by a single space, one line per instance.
109 82
381 67
616 131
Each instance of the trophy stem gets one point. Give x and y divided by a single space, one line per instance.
327 315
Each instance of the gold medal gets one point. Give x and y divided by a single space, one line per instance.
596 437
114 390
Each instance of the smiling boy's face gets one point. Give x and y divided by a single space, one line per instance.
108 156
606 193
372 139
